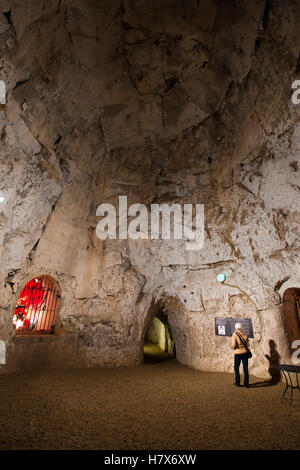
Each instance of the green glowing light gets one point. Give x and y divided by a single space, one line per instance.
221 277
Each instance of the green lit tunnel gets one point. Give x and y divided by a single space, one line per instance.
159 344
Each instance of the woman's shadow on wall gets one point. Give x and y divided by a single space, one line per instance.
274 360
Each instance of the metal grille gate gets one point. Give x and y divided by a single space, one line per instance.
37 306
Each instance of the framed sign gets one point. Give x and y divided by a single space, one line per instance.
226 326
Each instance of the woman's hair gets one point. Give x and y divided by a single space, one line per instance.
238 326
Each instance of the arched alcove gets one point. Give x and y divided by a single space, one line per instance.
292 282
159 344
173 313
37 306
291 314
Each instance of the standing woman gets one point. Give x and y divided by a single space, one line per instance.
240 343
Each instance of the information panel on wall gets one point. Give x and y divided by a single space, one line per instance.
226 326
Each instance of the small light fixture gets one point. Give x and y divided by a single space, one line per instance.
221 277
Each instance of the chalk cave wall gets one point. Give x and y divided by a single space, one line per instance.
185 102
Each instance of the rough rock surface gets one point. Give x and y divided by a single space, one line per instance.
185 102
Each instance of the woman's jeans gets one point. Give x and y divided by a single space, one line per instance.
238 358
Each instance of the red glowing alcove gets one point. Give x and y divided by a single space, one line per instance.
37 306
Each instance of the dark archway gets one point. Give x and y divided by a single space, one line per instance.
159 344
291 314
37 306
173 313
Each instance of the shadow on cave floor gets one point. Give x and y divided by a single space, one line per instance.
154 354
266 383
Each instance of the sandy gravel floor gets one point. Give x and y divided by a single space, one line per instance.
155 406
